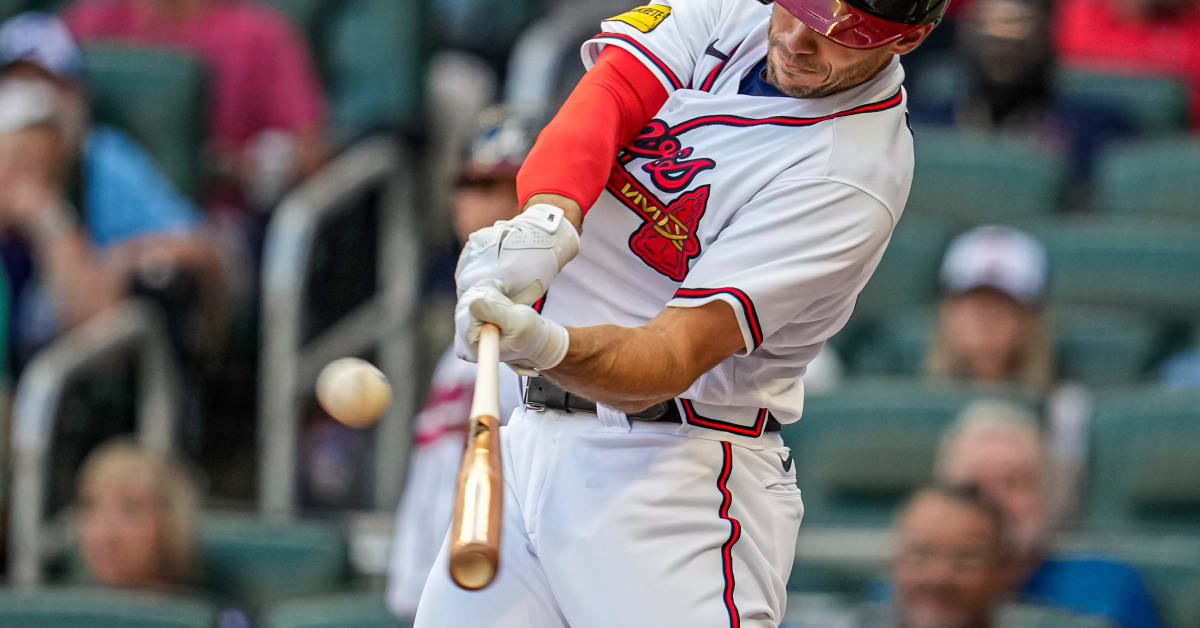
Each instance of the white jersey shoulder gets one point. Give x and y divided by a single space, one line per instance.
779 206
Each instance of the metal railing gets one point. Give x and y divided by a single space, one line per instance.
132 325
288 366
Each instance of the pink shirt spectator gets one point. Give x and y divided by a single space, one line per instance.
262 75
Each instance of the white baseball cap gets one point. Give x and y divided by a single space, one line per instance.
1002 258
43 40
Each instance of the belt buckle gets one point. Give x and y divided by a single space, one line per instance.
536 407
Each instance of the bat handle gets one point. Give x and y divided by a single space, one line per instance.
478 508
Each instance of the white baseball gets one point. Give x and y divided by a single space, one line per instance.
353 391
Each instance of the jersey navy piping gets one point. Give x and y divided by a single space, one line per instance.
637 45
739 121
724 60
748 310
735 532
697 419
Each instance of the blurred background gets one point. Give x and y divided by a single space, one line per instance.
202 202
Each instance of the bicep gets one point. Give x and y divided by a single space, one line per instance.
699 337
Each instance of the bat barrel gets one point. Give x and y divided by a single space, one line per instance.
478 508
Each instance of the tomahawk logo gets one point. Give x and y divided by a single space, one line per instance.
667 241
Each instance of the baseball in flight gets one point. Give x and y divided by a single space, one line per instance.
353 391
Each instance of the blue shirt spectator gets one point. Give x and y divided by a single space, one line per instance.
1093 585
124 194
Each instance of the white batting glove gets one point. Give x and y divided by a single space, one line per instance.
524 253
527 339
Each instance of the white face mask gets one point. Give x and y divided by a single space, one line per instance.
27 102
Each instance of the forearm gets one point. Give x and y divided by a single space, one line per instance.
628 368
79 284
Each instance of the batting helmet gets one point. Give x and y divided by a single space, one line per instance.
865 23
499 145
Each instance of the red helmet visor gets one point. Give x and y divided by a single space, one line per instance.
845 24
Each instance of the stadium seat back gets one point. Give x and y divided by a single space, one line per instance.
1124 262
1159 177
71 607
862 450
361 610
303 13
1015 615
1092 345
1144 467
258 563
1155 104
372 54
158 97
983 178
907 274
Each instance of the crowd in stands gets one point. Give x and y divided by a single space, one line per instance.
94 210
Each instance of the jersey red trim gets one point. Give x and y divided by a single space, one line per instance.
694 418
738 121
735 532
712 76
637 45
747 307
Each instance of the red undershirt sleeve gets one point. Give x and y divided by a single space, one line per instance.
574 154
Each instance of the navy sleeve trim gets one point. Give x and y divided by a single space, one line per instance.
748 309
641 48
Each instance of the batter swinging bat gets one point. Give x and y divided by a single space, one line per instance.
478 508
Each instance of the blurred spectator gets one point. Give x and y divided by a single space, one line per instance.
951 565
56 169
486 192
137 522
267 111
990 327
1009 62
999 448
1135 36
1183 369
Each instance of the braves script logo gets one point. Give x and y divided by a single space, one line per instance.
667 241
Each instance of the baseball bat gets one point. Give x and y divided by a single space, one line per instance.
479 505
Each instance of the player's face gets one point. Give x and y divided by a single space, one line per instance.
480 204
803 64
122 531
1007 465
947 572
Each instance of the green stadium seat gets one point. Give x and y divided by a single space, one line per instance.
303 13
1125 262
907 274
980 178
372 55
1145 471
101 608
1155 104
861 451
1092 345
258 563
1160 177
361 610
158 97
9 8
1014 615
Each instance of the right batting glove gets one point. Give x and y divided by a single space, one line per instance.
524 254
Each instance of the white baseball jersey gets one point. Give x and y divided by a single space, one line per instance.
780 206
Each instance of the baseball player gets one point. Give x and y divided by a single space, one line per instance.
485 192
703 210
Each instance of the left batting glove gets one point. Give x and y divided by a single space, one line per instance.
527 339
524 254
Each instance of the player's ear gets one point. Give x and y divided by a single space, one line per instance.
911 40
